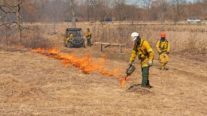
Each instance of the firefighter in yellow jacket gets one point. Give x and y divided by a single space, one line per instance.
145 54
88 36
66 40
163 48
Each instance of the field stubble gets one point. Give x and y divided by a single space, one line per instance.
32 84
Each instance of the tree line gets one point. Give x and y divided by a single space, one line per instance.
100 10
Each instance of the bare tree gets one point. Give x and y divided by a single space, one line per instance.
73 13
13 7
18 20
177 8
147 4
119 8
160 6
90 8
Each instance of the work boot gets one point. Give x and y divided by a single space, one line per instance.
147 86
166 68
161 67
148 82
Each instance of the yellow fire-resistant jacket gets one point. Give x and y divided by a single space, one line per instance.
163 46
68 38
88 35
144 53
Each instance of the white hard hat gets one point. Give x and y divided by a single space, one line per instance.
134 35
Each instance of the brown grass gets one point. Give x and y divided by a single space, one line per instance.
181 37
32 37
184 38
32 84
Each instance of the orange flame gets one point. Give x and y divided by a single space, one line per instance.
122 81
86 63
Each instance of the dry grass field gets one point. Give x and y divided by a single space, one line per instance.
35 84
183 37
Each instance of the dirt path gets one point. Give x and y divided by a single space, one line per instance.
32 84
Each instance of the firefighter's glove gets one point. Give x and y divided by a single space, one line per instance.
150 62
130 64
160 53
